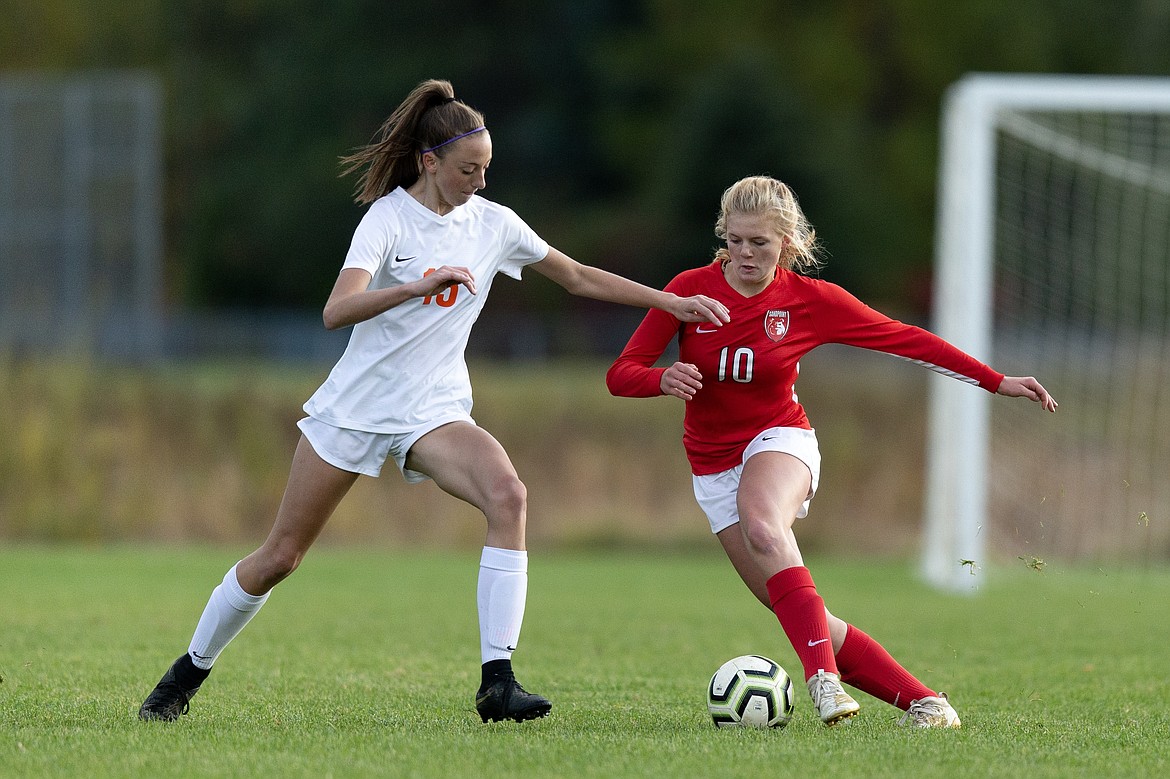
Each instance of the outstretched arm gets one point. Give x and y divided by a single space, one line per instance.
1027 387
590 282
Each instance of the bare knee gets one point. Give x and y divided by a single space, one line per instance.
771 544
268 566
286 560
761 538
507 503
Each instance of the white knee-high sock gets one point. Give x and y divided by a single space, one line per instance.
228 610
502 591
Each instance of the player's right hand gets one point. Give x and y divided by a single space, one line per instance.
682 380
435 281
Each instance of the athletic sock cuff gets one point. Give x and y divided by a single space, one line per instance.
237 597
853 649
514 560
787 581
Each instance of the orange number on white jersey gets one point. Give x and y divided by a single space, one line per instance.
446 298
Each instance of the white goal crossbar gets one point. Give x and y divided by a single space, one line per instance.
976 110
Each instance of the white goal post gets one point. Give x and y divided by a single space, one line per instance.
1066 132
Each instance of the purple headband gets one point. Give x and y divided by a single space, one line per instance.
457 137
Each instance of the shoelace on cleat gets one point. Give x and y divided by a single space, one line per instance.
923 711
182 694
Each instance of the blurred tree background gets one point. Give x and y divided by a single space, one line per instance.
617 123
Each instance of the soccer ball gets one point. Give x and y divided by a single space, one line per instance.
752 691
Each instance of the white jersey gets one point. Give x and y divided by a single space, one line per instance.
405 367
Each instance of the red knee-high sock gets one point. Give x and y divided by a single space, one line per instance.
866 665
802 615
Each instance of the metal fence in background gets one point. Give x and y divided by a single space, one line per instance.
81 236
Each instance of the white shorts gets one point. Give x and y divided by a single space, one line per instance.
716 492
359 451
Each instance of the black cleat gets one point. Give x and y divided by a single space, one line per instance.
506 699
170 697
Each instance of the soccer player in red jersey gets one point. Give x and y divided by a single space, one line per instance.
753 454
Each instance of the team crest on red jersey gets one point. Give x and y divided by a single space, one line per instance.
776 324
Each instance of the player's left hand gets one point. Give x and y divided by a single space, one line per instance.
1027 387
699 308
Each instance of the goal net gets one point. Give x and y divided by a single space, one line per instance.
1052 259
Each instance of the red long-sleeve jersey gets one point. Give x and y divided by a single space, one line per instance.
749 366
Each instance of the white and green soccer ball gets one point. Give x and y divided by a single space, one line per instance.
750 691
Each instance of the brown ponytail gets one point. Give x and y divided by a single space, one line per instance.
429 116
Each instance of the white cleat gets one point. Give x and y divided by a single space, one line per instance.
931 712
833 703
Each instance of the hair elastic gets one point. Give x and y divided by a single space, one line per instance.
457 137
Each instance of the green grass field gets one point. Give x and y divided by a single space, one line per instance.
365 663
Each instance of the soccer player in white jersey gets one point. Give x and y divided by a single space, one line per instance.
753 454
416 276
